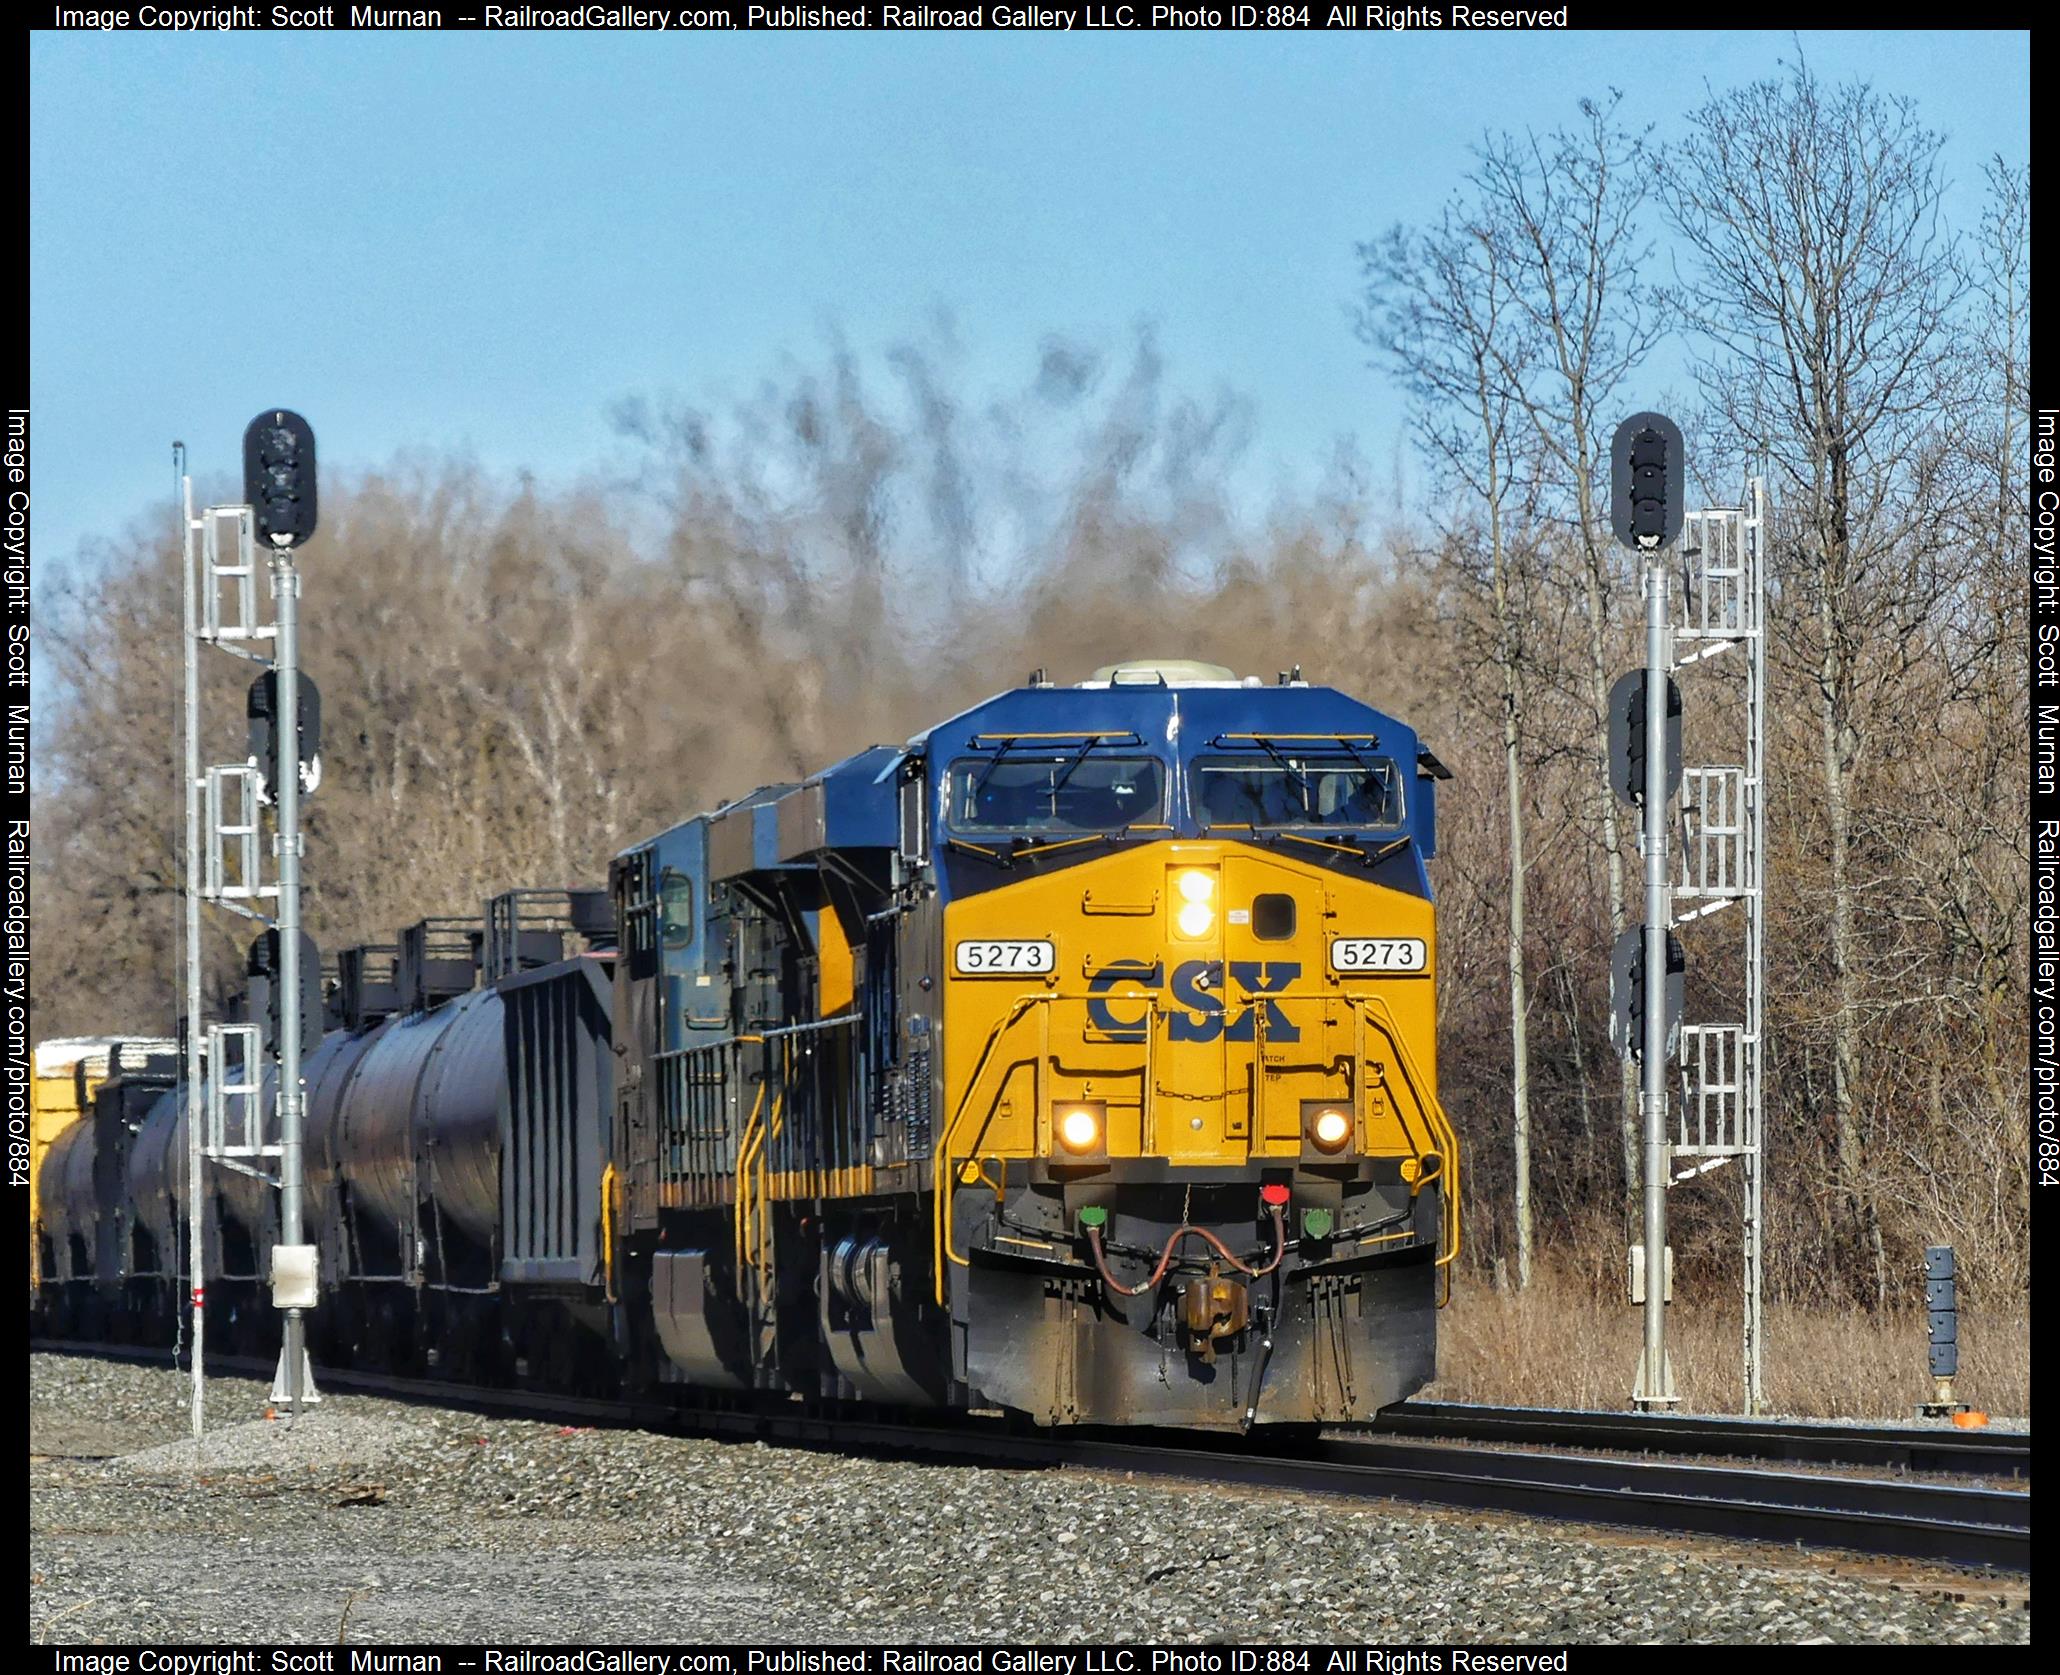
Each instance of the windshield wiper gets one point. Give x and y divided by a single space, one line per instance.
1059 784
1286 767
1006 742
1371 766
1369 763
1037 846
1343 841
1001 750
1003 858
1377 768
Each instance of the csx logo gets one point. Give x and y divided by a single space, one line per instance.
1199 1011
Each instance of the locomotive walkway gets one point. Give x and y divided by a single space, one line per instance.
1568 1465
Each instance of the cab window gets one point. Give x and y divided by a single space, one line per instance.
1057 792
1326 791
675 910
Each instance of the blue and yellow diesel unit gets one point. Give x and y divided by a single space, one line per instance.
1075 1060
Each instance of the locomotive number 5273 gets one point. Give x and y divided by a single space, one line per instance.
981 959
1378 953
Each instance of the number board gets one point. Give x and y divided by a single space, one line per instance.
1389 956
1006 957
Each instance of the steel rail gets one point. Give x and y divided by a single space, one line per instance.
1910 1519
1905 1447
1920 1520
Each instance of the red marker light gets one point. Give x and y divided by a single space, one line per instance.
1273 1195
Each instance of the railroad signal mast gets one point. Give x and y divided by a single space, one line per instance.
230 1121
1646 473
1722 862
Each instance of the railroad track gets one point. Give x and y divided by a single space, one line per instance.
1904 1517
1904 1447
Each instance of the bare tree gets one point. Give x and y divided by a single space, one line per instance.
1568 205
1438 311
1822 279
2002 281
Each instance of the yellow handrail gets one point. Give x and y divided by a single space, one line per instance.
943 1180
1325 843
1447 1176
745 1142
757 1229
608 1233
761 1195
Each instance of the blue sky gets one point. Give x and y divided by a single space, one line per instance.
479 242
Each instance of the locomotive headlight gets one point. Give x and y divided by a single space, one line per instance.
1330 1128
1079 1127
1196 916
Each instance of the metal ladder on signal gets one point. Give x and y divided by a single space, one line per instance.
232 791
235 1090
241 571
236 1134
1722 863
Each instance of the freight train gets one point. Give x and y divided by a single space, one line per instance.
1075 1060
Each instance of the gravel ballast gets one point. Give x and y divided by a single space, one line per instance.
372 1521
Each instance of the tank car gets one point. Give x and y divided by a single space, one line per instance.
86 1228
456 1141
66 1073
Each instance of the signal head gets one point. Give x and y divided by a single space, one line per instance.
1647 471
279 477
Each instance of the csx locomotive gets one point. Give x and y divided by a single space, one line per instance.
1076 1060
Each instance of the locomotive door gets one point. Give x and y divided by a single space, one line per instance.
634 881
1190 1056
1189 1069
693 982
